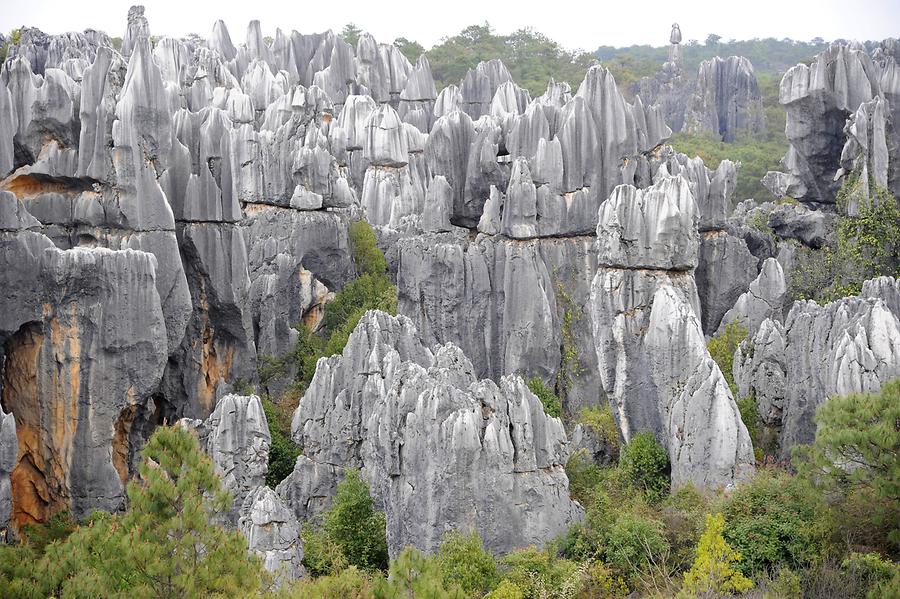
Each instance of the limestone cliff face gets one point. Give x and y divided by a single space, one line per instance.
848 346
651 351
440 449
839 124
84 345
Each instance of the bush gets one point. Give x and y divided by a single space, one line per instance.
645 464
413 574
774 521
506 590
166 544
538 573
713 571
633 542
861 430
354 525
349 583
368 292
863 246
283 452
465 563
601 420
552 405
366 255
875 576
722 348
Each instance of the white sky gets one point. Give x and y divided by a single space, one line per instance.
584 25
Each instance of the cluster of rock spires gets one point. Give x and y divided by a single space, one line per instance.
440 449
794 364
724 99
840 125
169 211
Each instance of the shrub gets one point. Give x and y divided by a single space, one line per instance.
854 455
366 255
506 590
321 555
354 525
368 292
601 582
538 573
633 542
349 583
863 246
413 574
683 515
645 463
464 562
722 348
776 520
601 420
552 405
283 452
713 570
875 575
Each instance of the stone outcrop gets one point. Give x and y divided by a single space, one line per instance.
839 125
440 449
236 438
84 341
9 451
651 351
848 346
765 299
726 100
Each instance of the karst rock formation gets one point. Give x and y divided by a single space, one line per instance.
172 209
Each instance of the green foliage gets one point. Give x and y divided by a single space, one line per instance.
410 49
366 255
552 405
633 542
506 590
855 454
786 585
714 569
14 37
541 575
465 563
349 583
355 526
58 528
350 34
570 365
165 545
757 157
776 520
413 574
531 57
750 417
876 576
372 290
645 463
722 348
601 420
863 246
283 452
321 555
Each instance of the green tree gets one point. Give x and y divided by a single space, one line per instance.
722 348
645 464
350 33
464 562
410 49
166 544
713 571
777 520
355 526
366 255
349 583
282 452
856 453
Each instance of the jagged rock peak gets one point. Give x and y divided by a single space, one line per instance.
649 228
385 392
